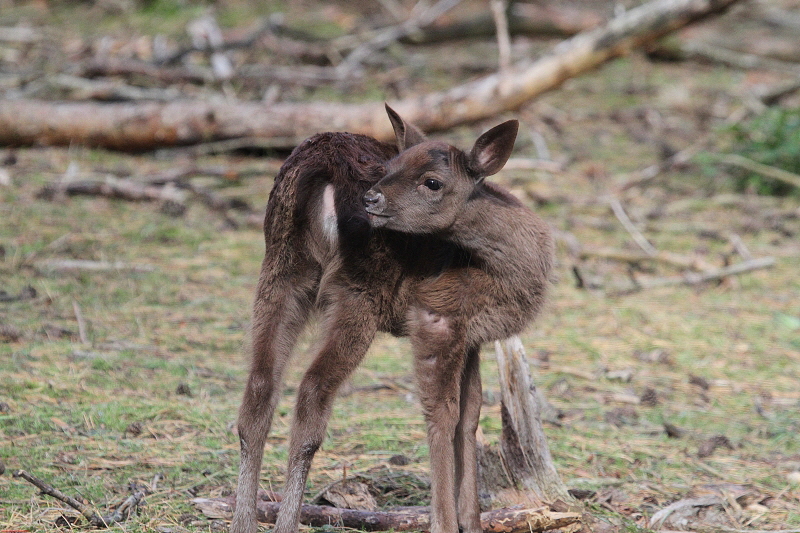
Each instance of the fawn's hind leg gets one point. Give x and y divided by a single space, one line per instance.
280 311
348 329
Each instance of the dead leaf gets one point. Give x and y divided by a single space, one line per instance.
691 514
349 494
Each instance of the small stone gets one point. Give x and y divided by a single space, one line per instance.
699 382
673 431
649 397
399 460
793 477
134 429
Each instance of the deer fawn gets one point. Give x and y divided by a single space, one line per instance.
413 243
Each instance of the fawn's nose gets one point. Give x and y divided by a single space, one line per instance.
374 200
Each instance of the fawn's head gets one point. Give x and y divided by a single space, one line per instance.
429 182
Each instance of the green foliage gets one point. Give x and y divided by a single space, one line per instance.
772 138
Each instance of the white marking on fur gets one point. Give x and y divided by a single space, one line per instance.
329 226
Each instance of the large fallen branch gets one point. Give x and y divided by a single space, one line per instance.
145 126
408 519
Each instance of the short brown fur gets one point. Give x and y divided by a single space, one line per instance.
414 243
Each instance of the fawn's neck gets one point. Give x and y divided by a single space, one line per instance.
509 240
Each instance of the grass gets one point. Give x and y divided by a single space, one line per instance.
155 389
71 406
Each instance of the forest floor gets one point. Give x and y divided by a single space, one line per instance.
132 376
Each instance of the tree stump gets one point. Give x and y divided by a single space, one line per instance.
521 469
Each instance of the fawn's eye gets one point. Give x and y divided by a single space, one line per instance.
433 184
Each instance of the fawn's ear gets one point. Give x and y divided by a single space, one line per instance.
493 148
407 134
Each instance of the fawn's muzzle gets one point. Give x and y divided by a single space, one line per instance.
374 202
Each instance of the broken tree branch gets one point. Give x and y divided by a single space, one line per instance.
387 36
103 90
675 49
626 222
81 322
694 278
108 66
499 12
668 258
775 173
773 95
523 444
523 19
408 519
648 174
145 126
49 490
87 265
101 522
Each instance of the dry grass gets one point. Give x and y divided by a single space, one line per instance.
156 388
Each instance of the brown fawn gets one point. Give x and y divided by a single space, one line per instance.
408 240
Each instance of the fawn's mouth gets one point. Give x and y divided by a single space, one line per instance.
378 220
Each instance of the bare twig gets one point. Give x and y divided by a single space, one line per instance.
390 35
522 163
125 508
773 95
19 34
94 519
302 75
61 265
648 174
112 187
103 90
640 239
696 49
500 14
740 246
122 512
775 173
665 257
524 18
81 322
156 479
744 530
691 278
274 35
108 66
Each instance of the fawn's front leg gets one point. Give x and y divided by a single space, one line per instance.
439 357
348 330
466 460
279 313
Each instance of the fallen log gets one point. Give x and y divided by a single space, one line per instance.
101 67
523 19
510 520
112 187
146 126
